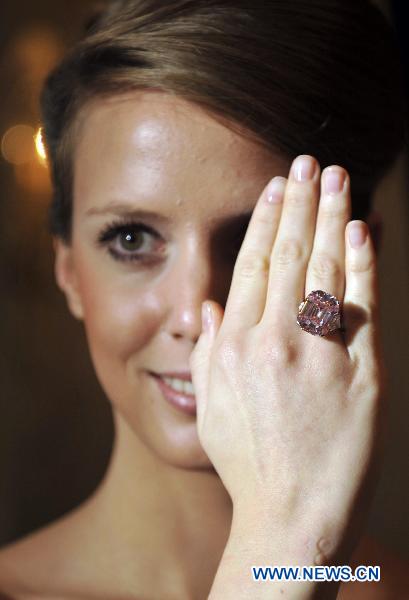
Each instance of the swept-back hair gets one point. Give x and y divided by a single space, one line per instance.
321 77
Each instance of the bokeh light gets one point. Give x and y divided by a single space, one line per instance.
17 144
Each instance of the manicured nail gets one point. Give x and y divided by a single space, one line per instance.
275 190
334 180
303 168
207 319
357 232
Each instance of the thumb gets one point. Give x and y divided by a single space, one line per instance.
212 316
215 313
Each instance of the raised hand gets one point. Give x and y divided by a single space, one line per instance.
292 422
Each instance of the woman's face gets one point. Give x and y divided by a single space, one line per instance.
140 289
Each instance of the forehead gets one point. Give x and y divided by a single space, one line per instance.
160 151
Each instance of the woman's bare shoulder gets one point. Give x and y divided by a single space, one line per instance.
62 561
22 564
30 565
394 573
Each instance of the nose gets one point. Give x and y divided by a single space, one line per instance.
198 275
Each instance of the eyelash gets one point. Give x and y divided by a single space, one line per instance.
118 227
114 229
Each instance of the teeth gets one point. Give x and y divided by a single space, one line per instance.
186 387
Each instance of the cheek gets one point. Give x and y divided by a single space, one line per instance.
121 315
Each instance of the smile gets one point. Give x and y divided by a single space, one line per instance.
178 393
186 387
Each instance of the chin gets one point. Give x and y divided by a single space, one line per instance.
143 417
181 458
169 432
164 431
177 445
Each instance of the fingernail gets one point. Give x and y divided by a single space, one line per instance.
275 191
357 234
207 319
303 168
334 180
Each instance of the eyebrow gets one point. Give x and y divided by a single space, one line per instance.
126 210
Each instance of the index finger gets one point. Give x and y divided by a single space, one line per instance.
247 296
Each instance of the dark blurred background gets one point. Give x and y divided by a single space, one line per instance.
55 425
55 428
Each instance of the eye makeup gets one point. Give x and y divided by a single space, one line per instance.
130 231
149 245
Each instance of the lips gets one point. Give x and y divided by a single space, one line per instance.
185 403
184 375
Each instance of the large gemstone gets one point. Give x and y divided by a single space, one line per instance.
319 313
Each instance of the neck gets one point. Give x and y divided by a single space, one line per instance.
181 517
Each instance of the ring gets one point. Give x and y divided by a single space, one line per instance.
319 313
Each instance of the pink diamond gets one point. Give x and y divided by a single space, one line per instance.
319 313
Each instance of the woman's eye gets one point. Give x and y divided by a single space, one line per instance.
133 241
139 242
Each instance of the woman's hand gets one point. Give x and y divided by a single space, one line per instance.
291 421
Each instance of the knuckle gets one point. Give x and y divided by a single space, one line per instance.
264 219
297 197
361 264
281 355
289 251
331 209
228 354
277 350
366 392
324 266
252 264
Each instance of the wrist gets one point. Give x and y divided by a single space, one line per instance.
293 536
235 576
282 536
